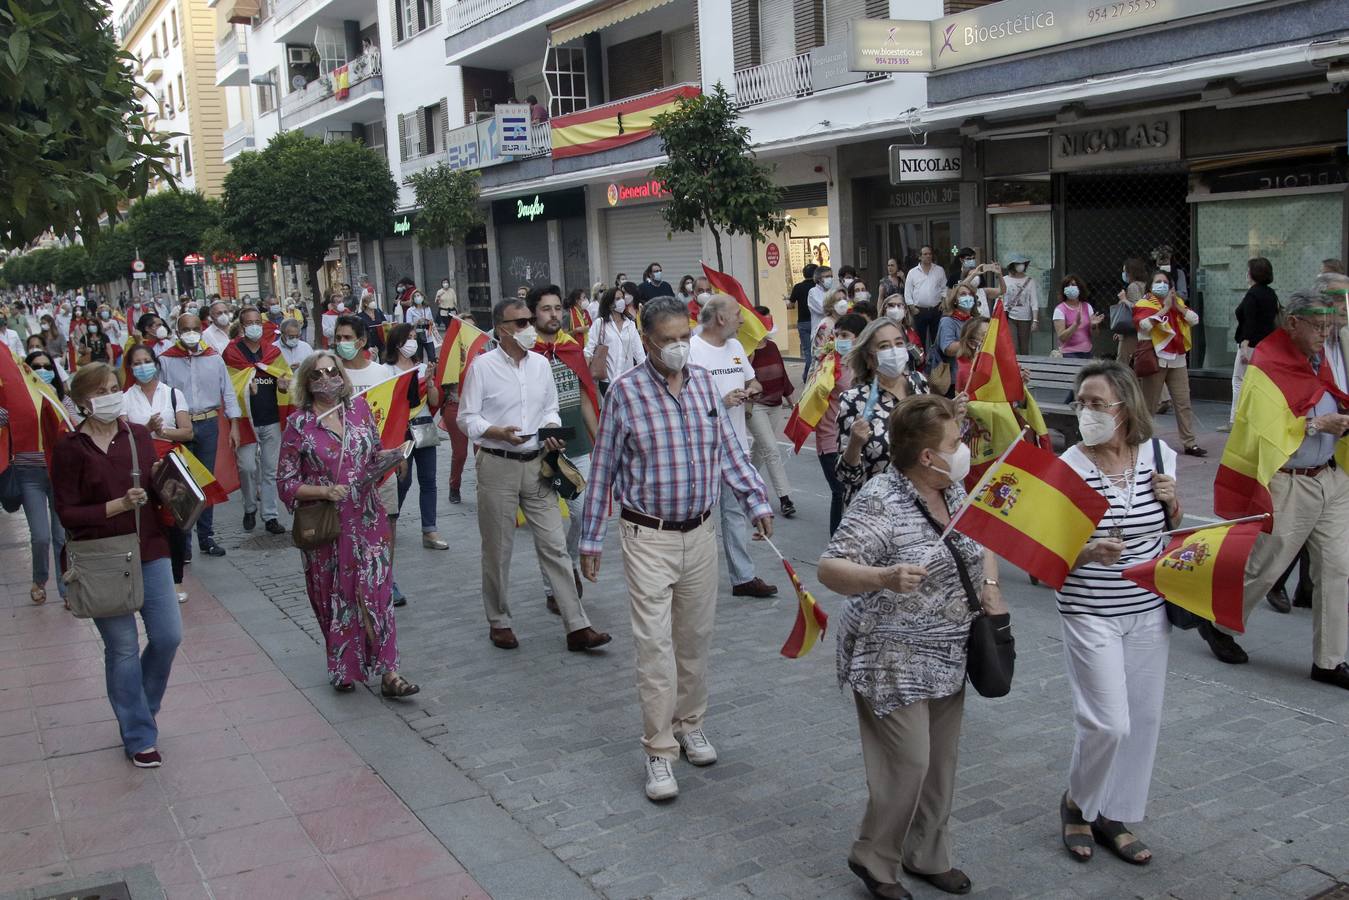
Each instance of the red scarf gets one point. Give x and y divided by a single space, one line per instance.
1288 367
178 351
235 358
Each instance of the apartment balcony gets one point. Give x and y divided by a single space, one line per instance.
237 139
466 13
152 69
791 78
294 21
231 59
317 107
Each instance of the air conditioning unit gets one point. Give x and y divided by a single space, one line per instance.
299 56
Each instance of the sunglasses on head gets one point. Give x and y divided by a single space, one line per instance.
325 372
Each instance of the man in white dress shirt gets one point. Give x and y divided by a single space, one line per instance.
924 288
217 335
508 397
294 349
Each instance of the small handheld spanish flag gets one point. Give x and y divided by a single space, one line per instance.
811 621
1203 570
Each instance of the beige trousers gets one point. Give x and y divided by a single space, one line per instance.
672 587
764 428
910 759
503 486
1312 511
1178 381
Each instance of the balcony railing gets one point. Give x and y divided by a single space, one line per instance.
540 139
231 52
779 80
360 69
471 12
153 68
237 138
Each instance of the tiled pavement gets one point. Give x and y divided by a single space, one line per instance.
525 765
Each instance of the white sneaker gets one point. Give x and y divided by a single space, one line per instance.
660 780
697 747
182 596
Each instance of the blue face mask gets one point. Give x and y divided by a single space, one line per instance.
657 276
47 375
145 372
965 301
843 345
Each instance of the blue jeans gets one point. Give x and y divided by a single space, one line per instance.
204 436
424 458
735 537
803 329
45 534
136 680
829 463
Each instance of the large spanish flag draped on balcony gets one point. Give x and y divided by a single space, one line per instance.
1271 423
613 124
1202 571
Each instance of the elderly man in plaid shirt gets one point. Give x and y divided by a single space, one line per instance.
664 448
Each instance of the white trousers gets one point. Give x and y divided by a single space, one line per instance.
764 428
1117 672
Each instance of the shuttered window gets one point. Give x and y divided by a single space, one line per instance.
808 16
837 15
635 66
744 33
777 36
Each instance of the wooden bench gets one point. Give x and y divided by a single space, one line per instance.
1050 379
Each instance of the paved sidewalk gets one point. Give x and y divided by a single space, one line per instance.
259 796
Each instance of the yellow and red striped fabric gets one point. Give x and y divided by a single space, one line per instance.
811 621
1172 334
814 402
1202 571
614 124
753 327
391 407
462 344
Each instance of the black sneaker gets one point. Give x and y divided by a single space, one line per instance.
398 598
454 496
1338 676
274 527
250 521
211 548
788 507
1223 645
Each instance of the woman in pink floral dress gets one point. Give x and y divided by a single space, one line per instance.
336 457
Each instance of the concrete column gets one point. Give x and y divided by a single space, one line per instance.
555 251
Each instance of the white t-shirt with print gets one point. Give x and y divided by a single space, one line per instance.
731 370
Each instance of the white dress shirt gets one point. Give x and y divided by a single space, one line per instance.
295 355
216 338
500 391
925 289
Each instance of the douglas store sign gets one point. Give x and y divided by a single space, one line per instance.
629 193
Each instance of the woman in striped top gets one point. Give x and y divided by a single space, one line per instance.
1115 633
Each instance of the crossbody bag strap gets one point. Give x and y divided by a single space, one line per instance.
135 475
971 595
1159 468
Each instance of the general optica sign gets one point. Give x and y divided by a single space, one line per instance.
649 190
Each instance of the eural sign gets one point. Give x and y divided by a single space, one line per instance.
911 164
513 128
1142 139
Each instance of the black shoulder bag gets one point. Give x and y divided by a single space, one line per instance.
990 652
1178 616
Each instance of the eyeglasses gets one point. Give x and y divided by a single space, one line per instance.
1322 326
1094 405
519 323
325 372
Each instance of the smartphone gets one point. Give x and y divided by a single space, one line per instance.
564 433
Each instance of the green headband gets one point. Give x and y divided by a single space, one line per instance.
1314 310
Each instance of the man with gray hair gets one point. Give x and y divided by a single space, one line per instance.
1303 365
666 452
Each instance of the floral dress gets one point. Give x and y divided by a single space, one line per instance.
876 451
349 581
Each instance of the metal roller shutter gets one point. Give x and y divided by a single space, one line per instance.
637 238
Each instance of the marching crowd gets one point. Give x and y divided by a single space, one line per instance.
639 402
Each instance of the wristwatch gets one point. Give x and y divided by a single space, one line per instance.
991 582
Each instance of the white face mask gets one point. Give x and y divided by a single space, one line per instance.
675 356
847 282
222 321
620 305
409 348
892 361
895 314
527 337
957 463
106 407
1096 427
1160 288
841 308
161 333
703 298
861 297
190 339
290 341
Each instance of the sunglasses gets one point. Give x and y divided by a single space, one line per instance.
48 368
325 372
521 323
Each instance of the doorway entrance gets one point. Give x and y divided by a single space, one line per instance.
901 239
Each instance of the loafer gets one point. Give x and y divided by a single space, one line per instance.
1223 645
587 639
660 780
503 638
1278 601
952 881
433 542
250 521
755 588
1338 676
454 496
147 759
885 889
1196 450
211 548
788 507
274 527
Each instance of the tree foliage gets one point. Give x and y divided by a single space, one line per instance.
34 268
449 204
70 269
169 225
72 145
711 173
111 256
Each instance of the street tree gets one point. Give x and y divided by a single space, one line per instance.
169 225
711 173
111 256
72 143
70 268
295 196
448 202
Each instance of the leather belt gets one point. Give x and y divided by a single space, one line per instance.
1310 471
509 454
203 416
646 521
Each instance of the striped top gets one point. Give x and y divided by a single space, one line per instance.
1100 590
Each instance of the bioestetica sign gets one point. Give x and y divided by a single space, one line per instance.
1009 27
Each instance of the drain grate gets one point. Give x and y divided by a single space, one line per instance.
116 890
1338 892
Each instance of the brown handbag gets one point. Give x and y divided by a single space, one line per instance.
599 360
316 523
1144 362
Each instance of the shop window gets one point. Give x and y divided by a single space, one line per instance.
635 66
565 76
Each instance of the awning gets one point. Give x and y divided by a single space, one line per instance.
606 15
243 12
1259 156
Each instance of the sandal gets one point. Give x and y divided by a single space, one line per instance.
1075 842
1107 833
345 687
397 688
38 594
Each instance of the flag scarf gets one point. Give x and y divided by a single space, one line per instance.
242 370
994 385
36 415
753 327
567 350
214 491
462 344
226 473
1202 571
1035 512
814 402
811 621
1278 394
1172 334
391 408
578 323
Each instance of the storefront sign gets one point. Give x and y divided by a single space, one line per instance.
926 196
531 210
193 259
473 146
1145 139
772 255
889 45
513 128
831 65
628 193
1010 27
909 164
402 226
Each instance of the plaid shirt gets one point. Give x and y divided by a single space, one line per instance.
664 455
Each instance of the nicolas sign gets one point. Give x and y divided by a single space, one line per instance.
912 164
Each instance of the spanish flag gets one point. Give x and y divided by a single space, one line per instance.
462 344
814 402
242 370
1278 395
578 324
36 415
811 621
996 375
215 492
994 388
613 124
1203 571
1034 511
753 327
391 405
